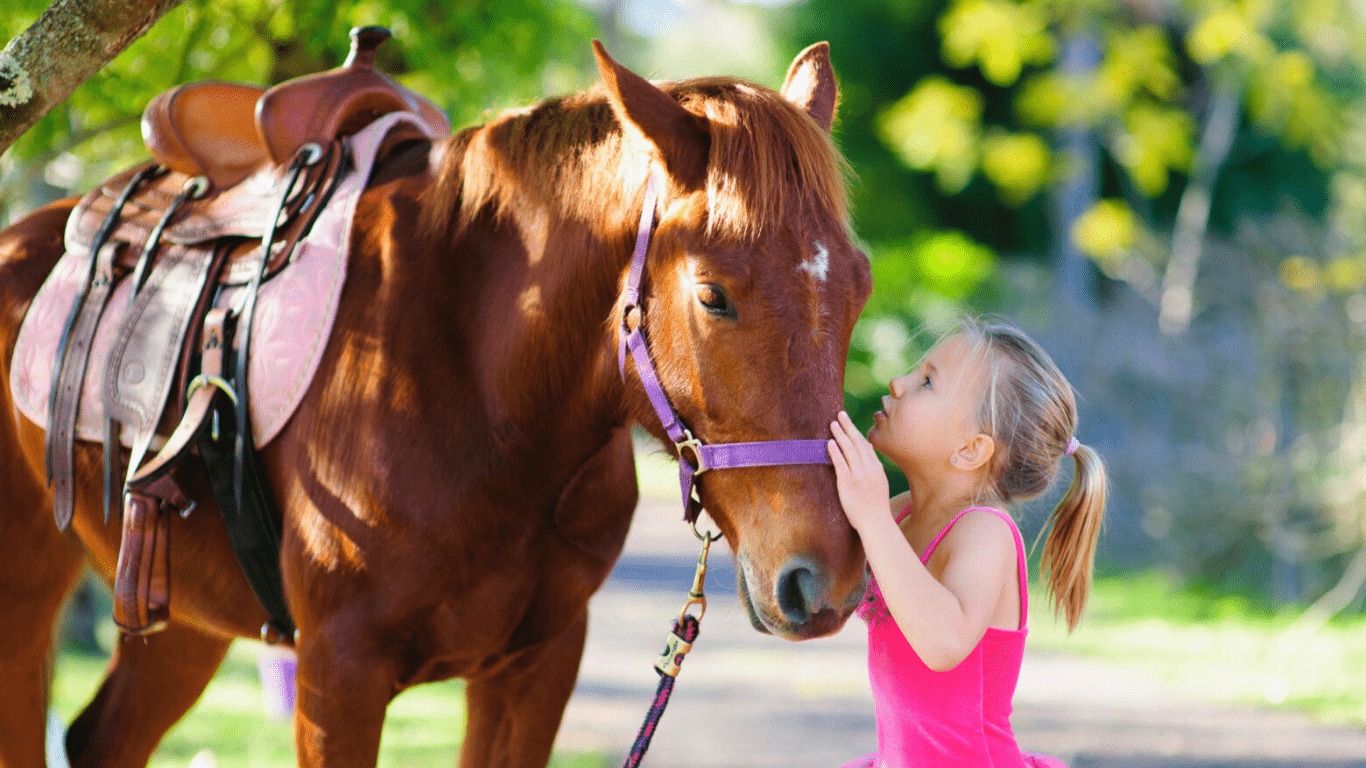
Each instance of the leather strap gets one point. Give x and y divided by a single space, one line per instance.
142 580
143 360
198 410
70 380
245 502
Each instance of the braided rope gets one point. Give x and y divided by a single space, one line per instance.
685 628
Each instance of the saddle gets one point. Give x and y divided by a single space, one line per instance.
241 176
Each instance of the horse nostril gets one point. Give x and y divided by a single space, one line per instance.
797 590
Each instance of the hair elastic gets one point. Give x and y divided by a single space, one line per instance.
1072 445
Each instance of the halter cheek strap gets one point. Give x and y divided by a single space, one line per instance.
707 457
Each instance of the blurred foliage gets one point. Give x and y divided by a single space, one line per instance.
468 57
1205 150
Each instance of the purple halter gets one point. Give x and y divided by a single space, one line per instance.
767 453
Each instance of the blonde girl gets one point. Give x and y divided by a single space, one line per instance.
983 421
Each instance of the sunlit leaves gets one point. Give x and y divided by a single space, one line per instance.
948 263
1055 99
1154 140
1019 164
1311 277
1000 36
1228 31
1284 99
1137 62
925 280
1107 231
936 127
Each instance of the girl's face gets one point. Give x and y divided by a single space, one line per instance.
932 411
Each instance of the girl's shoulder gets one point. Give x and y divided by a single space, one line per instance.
979 527
900 505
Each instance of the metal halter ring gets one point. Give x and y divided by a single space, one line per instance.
708 536
694 445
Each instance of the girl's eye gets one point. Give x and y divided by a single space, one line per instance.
926 382
715 300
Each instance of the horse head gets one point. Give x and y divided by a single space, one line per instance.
752 289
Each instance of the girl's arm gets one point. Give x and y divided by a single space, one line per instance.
943 619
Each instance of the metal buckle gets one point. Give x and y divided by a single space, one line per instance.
195 187
206 379
697 596
310 153
696 446
674 650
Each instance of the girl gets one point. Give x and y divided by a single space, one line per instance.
984 420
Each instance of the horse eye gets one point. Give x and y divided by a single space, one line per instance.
713 298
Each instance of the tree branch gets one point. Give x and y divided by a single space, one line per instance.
1192 215
70 42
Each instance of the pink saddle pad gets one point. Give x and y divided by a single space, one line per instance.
293 318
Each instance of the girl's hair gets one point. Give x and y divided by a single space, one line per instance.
1029 410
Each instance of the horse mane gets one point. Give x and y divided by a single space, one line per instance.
767 162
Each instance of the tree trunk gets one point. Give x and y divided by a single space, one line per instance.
68 44
1075 196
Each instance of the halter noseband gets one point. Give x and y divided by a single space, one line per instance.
767 453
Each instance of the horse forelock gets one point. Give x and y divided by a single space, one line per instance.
769 164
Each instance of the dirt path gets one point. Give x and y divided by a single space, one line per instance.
746 700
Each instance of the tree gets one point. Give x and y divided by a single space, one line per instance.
469 58
62 49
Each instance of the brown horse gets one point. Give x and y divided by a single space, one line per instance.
459 479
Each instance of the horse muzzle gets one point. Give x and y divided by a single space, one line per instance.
796 602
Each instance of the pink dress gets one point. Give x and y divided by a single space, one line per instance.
960 717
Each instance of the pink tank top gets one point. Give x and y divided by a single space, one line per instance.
960 717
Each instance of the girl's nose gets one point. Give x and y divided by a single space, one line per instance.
897 386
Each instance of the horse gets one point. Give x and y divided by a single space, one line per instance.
459 478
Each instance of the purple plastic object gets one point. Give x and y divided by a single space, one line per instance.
277 668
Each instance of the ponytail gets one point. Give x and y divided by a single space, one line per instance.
1069 552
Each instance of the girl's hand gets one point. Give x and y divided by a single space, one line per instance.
859 475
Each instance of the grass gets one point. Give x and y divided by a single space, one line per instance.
229 726
1215 646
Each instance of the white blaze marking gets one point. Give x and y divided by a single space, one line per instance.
819 264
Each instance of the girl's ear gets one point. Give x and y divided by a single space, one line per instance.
975 453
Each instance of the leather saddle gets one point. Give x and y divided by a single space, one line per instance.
239 175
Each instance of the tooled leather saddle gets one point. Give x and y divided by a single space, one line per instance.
241 176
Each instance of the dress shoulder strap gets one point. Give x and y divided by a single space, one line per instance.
1021 567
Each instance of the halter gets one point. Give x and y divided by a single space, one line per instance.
766 453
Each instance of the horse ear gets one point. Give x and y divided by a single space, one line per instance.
810 84
681 138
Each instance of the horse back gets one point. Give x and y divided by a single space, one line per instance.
29 249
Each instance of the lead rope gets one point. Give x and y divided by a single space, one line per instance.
677 645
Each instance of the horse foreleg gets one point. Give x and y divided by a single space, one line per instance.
152 681
38 565
514 713
342 695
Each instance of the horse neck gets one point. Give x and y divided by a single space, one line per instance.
543 277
